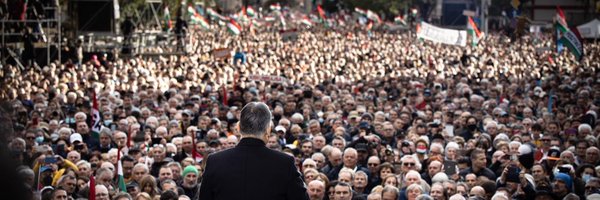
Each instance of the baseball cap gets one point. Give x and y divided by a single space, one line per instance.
280 128
361 147
553 154
75 137
187 112
353 114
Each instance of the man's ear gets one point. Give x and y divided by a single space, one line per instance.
237 126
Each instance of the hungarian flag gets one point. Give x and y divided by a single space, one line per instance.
400 20
197 18
306 21
215 15
202 21
191 11
472 28
360 11
168 23
234 27
414 12
373 16
321 13
275 7
96 125
121 180
92 186
250 11
566 36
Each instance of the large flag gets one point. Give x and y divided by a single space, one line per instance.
306 21
275 7
96 124
472 28
168 23
191 11
215 15
121 180
321 13
196 18
360 11
234 27
92 186
400 20
566 36
373 16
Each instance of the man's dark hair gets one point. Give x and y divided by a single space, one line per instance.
255 119
56 190
476 152
168 195
127 158
344 185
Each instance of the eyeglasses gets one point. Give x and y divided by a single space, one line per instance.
372 164
408 164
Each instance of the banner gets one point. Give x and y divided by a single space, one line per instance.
221 53
442 35
288 35
272 79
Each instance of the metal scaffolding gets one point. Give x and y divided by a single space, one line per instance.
49 31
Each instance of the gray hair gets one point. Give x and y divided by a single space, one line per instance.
358 172
121 195
143 166
255 119
26 171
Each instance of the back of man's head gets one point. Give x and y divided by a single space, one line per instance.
255 119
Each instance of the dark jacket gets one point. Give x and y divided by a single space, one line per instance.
251 171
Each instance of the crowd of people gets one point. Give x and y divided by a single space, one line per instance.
367 115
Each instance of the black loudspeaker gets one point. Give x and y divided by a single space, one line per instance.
95 16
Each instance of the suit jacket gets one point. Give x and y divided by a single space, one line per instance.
251 171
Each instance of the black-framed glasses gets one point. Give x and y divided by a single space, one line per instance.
409 164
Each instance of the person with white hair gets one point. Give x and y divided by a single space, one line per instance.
584 130
451 151
457 197
232 140
500 196
491 127
440 177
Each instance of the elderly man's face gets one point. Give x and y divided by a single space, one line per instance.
316 190
360 181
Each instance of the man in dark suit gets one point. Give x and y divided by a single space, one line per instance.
251 170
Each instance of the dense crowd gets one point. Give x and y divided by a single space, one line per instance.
367 115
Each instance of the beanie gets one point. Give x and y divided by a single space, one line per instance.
189 169
526 156
564 178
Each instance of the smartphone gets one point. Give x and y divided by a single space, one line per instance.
50 159
450 167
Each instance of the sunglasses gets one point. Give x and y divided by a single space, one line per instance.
408 164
